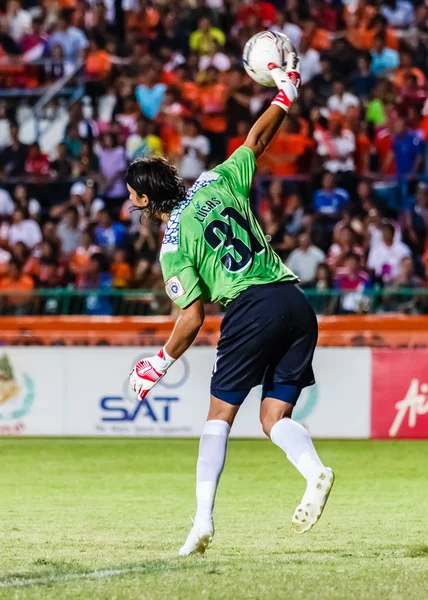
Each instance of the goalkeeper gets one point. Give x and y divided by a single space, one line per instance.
214 251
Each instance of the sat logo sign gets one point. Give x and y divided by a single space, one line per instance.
126 414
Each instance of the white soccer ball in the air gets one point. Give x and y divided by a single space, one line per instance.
264 48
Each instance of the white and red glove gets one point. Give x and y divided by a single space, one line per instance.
287 81
148 372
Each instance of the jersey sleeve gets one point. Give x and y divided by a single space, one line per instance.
239 170
182 282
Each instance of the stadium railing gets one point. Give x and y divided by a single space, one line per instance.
140 302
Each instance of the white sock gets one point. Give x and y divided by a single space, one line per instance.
296 442
212 455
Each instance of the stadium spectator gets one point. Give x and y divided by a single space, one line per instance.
274 199
204 38
196 149
98 280
34 43
336 146
13 157
416 220
398 13
309 61
113 165
37 163
323 279
5 258
291 30
344 244
108 233
61 166
289 151
97 68
69 232
86 164
363 80
305 259
143 143
6 204
242 130
322 83
22 229
383 59
341 100
212 99
30 205
238 103
18 20
330 200
353 282
120 270
15 282
408 150
80 259
72 40
294 214
385 258
215 58
407 278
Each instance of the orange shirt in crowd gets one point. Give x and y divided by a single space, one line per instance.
383 145
320 40
143 22
304 127
363 39
67 3
362 152
284 152
212 102
423 126
23 284
32 266
401 74
121 273
190 92
98 65
171 139
79 261
234 144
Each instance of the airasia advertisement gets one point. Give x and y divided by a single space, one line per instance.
399 402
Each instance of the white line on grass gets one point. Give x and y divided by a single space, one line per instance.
19 582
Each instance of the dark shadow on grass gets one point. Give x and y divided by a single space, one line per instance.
339 552
417 551
61 571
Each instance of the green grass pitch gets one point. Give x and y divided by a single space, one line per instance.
103 519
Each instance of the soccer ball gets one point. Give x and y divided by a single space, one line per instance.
262 49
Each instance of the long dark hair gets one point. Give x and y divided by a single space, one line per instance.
159 180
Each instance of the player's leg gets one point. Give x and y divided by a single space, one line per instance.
211 459
239 366
284 380
295 441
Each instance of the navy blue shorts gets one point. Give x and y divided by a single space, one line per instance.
268 337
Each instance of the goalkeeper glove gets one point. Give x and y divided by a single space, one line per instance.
148 372
288 81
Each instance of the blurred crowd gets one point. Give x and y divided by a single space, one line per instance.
340 192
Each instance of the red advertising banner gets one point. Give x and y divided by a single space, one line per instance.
399 394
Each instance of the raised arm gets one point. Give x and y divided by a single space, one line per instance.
267 125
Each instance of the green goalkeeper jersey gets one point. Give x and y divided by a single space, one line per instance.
213 246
